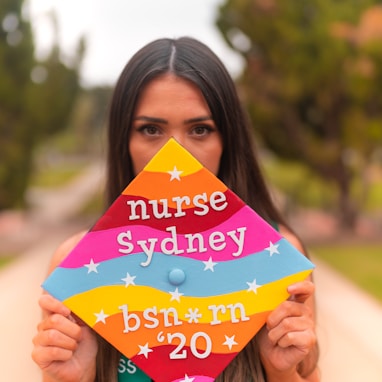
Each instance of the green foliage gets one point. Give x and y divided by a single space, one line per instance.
29 110
302 187
299 185
312 82
95 206
16 61
374 197
55 176
89 117
360 263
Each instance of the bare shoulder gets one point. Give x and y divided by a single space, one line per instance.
63 250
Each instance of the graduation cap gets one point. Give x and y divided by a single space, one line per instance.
179 273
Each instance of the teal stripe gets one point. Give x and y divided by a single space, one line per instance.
129 372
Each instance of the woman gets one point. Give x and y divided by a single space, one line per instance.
179 88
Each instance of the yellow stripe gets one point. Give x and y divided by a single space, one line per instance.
173 154
138 298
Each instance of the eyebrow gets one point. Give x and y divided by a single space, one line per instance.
199 119
164 121
150 119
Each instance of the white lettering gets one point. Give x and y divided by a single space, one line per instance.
127 317
215 310
173 250
133 206
179 201
241 308
165 213
232 311
238 240
147 315
147 250
217 241
217 238
168 313
121 241
202 206
138 208
191 237
216 198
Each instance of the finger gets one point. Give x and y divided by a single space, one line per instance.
50 304
53 337
285 310
301 291
62 324
289 325
303 340
45 356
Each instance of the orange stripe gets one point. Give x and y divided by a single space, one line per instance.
146 185
128 343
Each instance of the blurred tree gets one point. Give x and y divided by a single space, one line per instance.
16 63
312 82
35 99
89 117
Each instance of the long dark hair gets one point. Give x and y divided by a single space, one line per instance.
239 169
192 60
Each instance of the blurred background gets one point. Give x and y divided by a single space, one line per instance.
310 76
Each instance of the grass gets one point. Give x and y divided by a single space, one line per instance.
361 263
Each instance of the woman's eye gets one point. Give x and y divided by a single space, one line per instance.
149 130
202 130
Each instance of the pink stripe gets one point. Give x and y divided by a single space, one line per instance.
103 245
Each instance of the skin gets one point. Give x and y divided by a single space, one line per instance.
65 348
172 107
289 333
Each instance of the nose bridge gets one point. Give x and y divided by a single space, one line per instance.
179 136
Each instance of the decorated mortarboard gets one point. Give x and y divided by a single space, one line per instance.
179 274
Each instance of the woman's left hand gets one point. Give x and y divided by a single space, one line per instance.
289 334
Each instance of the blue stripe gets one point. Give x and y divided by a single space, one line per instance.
228 276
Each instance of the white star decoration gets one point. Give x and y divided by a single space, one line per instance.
187 379
176 295
92 267
272 249
253 286
230 341
129 280
175 174
101 316
145 350
193 315
209 265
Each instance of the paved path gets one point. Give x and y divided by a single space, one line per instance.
39 234
349 321
349 328
19 290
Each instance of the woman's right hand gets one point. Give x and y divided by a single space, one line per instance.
65 349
